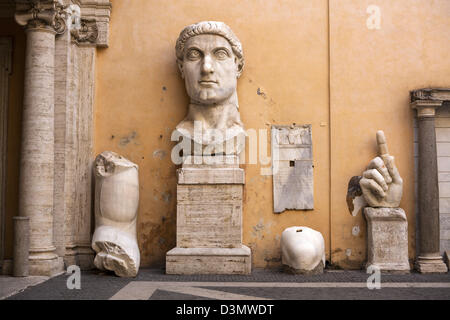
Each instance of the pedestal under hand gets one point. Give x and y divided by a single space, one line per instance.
387 226
387 239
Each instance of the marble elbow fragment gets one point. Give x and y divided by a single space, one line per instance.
116 206
302 250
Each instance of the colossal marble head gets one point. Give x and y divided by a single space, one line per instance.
210 59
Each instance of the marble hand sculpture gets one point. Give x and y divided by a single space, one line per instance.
381 183
210 59
303 250
116 205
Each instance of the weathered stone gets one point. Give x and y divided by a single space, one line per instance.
302 250
209 260
381 184
317 270
210 182
387 239
292 168
116 205
429 260
21 246
210 59
203 170
7 268
43 20
209 203
209 220
209 215
431 264
5 72
355 199
58 106
447 259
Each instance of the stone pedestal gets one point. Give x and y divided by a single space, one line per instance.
209 219
387 239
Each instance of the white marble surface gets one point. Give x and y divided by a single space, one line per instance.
116 207
292 167
210 60
302 248
381 184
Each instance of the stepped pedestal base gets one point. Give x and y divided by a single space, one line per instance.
209 261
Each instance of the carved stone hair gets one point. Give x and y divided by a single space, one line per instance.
210 27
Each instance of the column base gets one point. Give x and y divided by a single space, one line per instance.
46 267
82 256
86 261
209 261
430 265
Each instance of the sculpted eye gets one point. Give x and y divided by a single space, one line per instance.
221 54
193 54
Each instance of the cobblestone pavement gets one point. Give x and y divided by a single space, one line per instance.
153 284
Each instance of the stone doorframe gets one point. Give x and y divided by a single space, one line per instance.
426 101
79 27
75 55
5 71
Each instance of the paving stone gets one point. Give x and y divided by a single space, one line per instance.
96 285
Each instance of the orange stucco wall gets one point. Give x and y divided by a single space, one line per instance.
140 98
371 74
307 62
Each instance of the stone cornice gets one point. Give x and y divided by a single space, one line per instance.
50 14
432 94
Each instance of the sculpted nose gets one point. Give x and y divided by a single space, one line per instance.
207 65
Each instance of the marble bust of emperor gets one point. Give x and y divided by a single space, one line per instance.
210 59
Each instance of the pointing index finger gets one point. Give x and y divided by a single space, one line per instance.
382 144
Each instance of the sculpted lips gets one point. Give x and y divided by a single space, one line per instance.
207 82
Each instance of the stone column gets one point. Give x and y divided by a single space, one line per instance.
42 22
429 259
21 246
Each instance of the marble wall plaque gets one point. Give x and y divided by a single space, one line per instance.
292 167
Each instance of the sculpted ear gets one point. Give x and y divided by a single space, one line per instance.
180 67
239 67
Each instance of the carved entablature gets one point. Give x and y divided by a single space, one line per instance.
437 94
50 14
426 100
93 27
295 135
